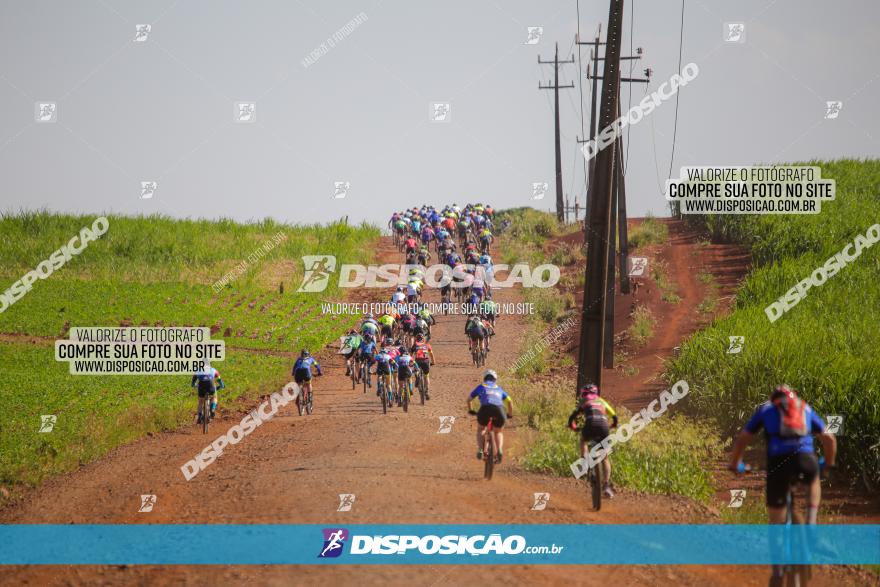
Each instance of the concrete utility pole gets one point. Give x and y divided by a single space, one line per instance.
560 204
599 221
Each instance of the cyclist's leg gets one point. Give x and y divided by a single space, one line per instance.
213 401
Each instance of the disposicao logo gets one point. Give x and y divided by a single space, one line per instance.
334 540
317 272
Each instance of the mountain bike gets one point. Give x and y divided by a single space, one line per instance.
478 353
490 448
304 401
386 394
365 375
352 363
421 385
203 415
595 477
789 575
406 391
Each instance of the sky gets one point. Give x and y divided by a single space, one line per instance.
359 111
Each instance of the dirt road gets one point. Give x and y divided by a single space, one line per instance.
292 470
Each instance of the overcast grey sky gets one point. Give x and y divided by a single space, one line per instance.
163 109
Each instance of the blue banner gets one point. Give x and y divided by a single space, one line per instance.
259 544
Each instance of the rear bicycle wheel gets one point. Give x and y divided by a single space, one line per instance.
407 390
310 405
422 389
596 486
384 395
301 401
489 455
366 376
206 415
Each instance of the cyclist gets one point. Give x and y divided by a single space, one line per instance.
485 240
366 354
488 311
387 324
788 423
492 399
370 328
410 246
595 411
424 256
405 369
424 356
399 296
426 315
350 344
205 378
383 368
476 332
302 370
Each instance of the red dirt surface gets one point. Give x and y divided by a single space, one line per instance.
292 469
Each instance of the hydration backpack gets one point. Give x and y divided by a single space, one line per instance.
793 421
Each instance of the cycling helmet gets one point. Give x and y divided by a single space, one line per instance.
589 388
368 316
304 353
420 338
782 389
490 375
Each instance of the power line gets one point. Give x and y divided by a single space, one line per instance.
632 21
677 94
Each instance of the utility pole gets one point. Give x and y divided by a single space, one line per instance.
560 204
618 222
599 221
594 59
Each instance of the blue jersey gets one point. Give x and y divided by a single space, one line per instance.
767 417
367 348
490 394
383 358
306 363
404 361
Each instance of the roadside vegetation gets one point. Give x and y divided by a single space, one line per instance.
648 232
666 457
150 271
826 345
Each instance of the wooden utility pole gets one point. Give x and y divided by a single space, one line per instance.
560 204
599 222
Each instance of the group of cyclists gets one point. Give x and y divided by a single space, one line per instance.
396 347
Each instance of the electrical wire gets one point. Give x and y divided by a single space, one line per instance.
581 88
677 94
632 21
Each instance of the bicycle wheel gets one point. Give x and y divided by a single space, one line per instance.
301 401
406 392
353 372
366 376
384 395
596 486
206 414
489 454
422 388
310 404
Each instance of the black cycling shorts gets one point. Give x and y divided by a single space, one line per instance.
595 430
491 412
383 368
424 365
404 373
302 375
205 390
785 471
386 330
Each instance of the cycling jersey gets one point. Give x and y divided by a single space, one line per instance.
352 342
422 351
767 417
398 297
369 328
386 320
490 394
205 378
306 363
